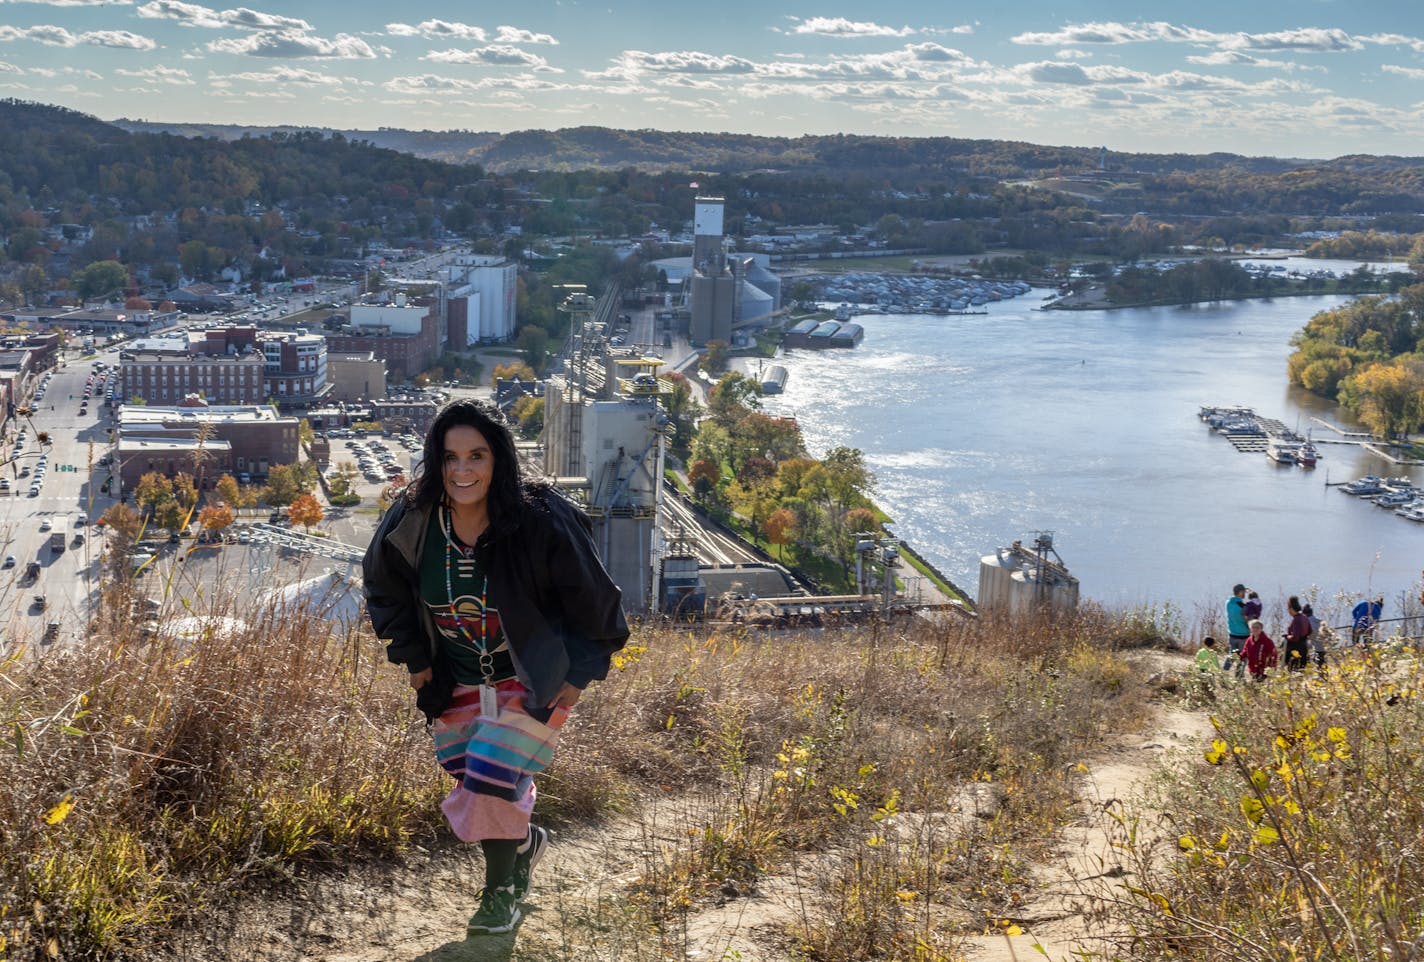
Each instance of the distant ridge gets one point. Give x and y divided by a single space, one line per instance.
576 148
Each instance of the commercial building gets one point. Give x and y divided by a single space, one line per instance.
203 440
163 371
405 336
233 365
355 377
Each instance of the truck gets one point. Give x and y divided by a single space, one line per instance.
58 533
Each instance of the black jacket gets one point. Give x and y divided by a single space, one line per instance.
558 608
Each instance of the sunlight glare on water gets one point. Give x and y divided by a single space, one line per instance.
983 429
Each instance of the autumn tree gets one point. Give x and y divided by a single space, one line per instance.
779 528
529 412
184 491
1389 398
505 372
171 516
343 479
733 398
703 475
124 523
152 491
215 517
227 489
285 482
306 511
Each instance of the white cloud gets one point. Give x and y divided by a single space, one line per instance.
1413 73
841 27
159 74
633 62
118 38
1309 39
52 36
189 14
9 68
1115 33
505 34
934 53
46 34
1073 53
298 76
499 55
256 20
195 15
438 28
296 46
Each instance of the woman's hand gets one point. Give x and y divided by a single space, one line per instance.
419 679
567 697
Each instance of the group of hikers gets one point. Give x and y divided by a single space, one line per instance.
1251 650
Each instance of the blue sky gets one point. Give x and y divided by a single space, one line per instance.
1310 78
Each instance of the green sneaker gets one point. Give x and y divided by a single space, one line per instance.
528 856
499 912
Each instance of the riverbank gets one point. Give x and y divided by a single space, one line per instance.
1096 298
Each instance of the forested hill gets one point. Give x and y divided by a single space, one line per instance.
583 148
50 153
1214 183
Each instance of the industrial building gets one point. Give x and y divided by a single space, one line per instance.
603 444
1017 580
480 301
725 293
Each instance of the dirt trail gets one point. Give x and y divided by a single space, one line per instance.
1089 867
417 911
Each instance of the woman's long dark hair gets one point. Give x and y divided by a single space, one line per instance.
506 492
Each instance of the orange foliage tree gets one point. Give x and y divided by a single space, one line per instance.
779 528
216 516
306 511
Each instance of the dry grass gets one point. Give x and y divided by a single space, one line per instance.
1297 835
149 782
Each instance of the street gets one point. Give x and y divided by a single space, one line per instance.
67 578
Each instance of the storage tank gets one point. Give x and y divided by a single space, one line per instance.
754 302
995 573
1018 579
767 281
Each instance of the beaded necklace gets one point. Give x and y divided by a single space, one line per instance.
481 645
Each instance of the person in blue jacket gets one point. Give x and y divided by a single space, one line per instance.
1366 617
488 589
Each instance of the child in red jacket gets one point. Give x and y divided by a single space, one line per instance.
1259 652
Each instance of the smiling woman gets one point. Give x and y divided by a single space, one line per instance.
490 593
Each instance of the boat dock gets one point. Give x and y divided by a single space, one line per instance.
1245 429
1361 439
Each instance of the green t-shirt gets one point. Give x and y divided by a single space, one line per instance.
459 602
1207 660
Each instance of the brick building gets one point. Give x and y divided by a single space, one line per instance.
250 438
407 338
233 365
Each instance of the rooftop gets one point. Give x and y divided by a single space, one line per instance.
136 416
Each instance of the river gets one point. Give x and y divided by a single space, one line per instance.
984 429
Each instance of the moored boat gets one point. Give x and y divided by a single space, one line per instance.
1283 451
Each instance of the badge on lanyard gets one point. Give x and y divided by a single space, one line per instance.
489 702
